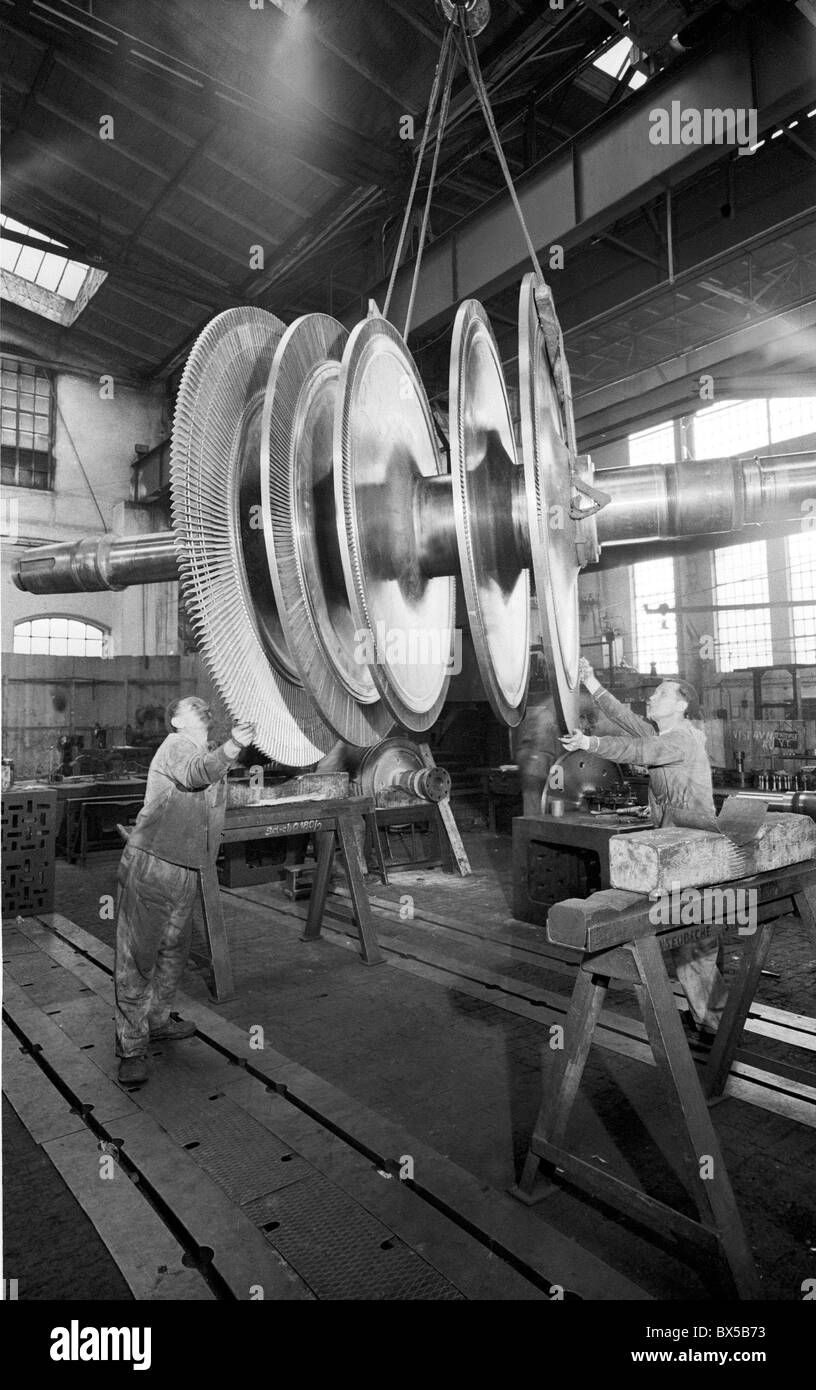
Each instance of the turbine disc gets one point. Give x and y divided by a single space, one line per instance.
215 488
483 462
384 446
300 531
553 533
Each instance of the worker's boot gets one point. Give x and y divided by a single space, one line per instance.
174 1030
133 1071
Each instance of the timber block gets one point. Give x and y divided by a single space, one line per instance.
680 858
569 922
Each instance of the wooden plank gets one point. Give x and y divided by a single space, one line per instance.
622 1197
215 931
713 1195
147 1254
446 816
740 994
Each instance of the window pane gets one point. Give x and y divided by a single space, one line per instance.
75 646
39 646
50 272
93 647
729 428
72 281
804 635
744 633
40 627
59 627
744 638
654 445
802 565
22 642
741 573
656 632
792 416
76 629
59 646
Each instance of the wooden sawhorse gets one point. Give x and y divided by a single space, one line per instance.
621 942
332 825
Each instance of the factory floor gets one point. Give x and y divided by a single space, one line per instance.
441 1046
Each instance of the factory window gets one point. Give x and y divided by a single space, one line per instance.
655 619
654 445
792 416
26 423
60 636
742 612
802 578
730 427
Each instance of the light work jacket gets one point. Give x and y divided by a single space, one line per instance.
679 771
185 803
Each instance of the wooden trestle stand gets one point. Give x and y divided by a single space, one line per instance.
332 824
621 943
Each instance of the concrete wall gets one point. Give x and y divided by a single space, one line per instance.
94 445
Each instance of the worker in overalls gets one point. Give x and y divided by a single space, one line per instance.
177 831
680 794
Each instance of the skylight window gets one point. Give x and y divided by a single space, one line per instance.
45 281
615 61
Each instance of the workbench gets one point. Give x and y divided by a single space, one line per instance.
331 823
620 941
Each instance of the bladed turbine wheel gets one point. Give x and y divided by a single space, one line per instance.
553 533
300 529
495 579
217 519
385 449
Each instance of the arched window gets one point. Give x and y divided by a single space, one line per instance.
60 636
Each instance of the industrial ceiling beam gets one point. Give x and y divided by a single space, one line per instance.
175 132
48 214
764 62
319 143
632 402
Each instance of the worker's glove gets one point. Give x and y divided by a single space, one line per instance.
242 734
575 741
585 670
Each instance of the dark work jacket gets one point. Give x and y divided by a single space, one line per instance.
185 801
679 771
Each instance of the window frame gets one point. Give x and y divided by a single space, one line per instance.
105 633
38 371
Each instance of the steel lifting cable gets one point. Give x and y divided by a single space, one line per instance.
549 322
440 134
435 89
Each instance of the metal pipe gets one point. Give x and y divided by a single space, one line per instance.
704 496
801 803
695 497
109 562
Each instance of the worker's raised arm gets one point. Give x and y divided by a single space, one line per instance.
192 768
619 714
